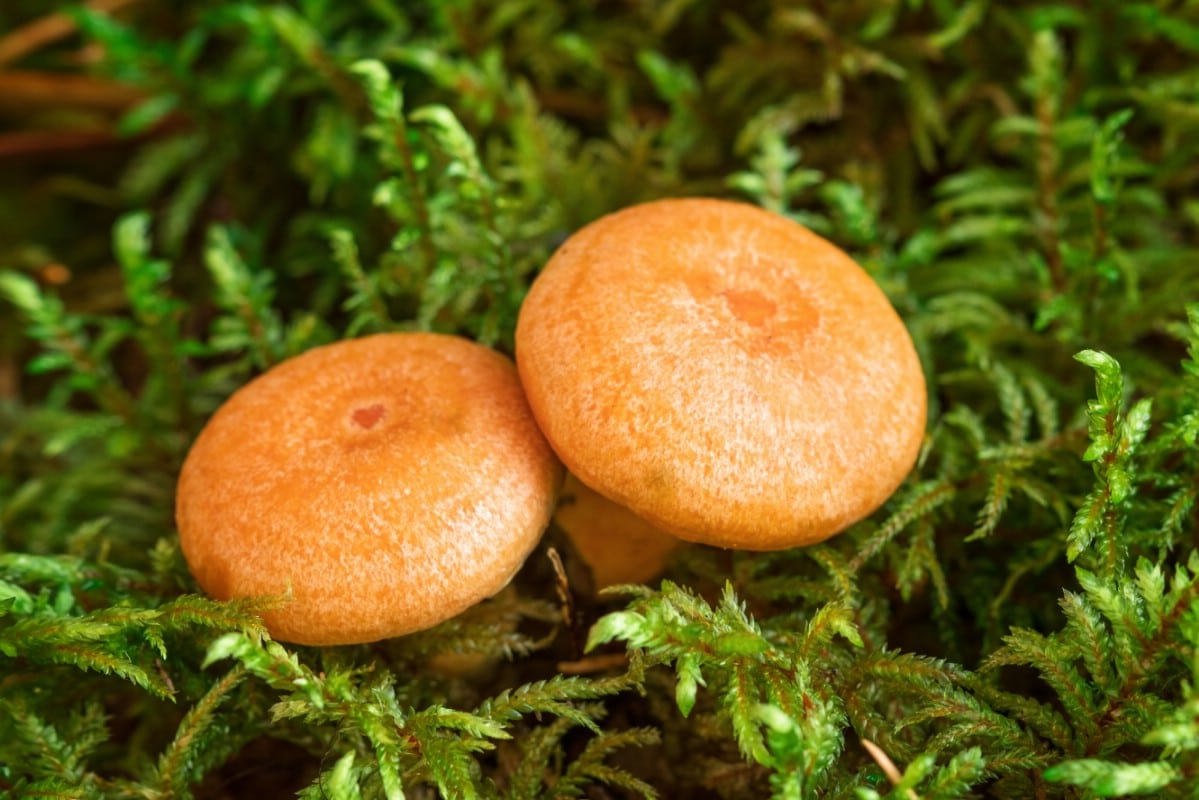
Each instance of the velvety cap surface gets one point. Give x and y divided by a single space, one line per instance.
723 372
388 482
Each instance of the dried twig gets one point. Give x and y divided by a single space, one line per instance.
47 30
591 664
33 143
886 765
22 89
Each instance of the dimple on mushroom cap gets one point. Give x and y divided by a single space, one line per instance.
723 372
387 483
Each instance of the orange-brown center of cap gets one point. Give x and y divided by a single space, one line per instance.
774 318
751 307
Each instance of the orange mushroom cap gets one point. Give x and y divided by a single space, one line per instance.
385 483
723 372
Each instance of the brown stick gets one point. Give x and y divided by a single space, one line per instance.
35 143
590 664
10 379
48 29
20 89
886 765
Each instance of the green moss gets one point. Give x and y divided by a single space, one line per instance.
1020 620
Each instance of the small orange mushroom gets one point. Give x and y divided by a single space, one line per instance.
617 545
723 372
384 484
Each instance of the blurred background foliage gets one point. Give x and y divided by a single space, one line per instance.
191 192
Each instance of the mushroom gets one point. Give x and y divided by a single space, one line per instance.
723 372
617 545
382 484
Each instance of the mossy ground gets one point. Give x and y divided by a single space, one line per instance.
192 192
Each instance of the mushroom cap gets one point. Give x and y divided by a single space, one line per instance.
618 545
723 372
385 483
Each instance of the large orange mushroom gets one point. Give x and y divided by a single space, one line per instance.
723 372
382 485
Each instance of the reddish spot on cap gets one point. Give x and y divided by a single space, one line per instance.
368 416
751 307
